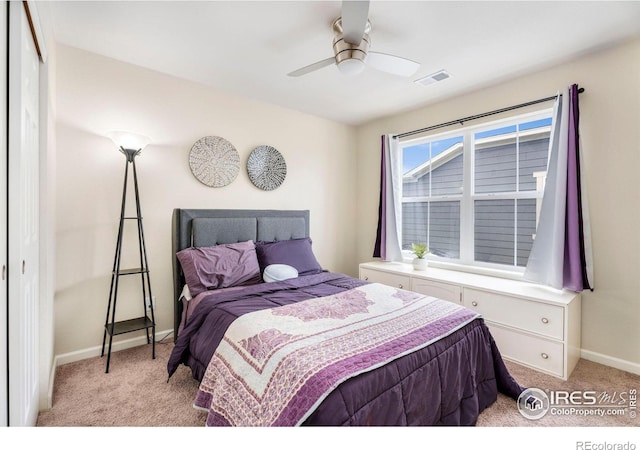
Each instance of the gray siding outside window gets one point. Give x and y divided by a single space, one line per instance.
447 180
498 239
495 167
496 230
533 158
434 223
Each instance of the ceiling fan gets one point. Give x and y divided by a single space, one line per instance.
351 46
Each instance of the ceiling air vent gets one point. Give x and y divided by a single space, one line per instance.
434 77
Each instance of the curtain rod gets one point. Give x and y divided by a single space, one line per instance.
479 116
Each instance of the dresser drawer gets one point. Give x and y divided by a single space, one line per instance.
536 317
390 279
530 350
444 291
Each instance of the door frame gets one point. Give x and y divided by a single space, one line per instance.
4 143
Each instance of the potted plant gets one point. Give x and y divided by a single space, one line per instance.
421 251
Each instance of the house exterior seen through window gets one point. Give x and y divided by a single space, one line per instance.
474 196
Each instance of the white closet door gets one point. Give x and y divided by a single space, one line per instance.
4 394
23 219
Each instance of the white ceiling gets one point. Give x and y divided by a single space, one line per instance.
248 47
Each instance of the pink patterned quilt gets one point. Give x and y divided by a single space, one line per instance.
275 366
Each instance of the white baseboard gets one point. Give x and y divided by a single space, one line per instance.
79 355
611 361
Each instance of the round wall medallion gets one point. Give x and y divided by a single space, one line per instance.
266 167
214 161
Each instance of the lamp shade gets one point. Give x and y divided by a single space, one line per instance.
128 141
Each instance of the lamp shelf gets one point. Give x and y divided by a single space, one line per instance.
131 271
127 326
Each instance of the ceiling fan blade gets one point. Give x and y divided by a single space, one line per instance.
312 67
354 20
392 64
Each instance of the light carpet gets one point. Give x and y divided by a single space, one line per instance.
135 393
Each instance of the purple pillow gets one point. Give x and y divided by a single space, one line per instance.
293 252
219 266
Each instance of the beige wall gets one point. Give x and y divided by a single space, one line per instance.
610 129
96 94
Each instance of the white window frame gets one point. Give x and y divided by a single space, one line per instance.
466 261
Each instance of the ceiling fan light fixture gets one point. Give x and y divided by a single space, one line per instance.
351 66
351 44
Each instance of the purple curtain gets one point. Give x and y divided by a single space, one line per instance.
575 261
387 245
561 254
378 247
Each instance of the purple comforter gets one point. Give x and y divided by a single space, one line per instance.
446 383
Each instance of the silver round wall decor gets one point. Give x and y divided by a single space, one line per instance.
214 161
266 167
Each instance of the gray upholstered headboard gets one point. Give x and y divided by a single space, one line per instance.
206 227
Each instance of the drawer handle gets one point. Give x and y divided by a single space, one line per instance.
545 320
366 278
400 286
544 356
474 303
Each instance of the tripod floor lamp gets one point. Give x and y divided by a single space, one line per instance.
130 145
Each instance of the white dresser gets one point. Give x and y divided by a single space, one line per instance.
532 325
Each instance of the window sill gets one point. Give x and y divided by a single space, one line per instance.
477 270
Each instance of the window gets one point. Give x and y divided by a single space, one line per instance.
432 187
474 196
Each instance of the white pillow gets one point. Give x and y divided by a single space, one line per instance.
279 272
186 294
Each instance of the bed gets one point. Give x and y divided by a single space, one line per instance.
276 340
